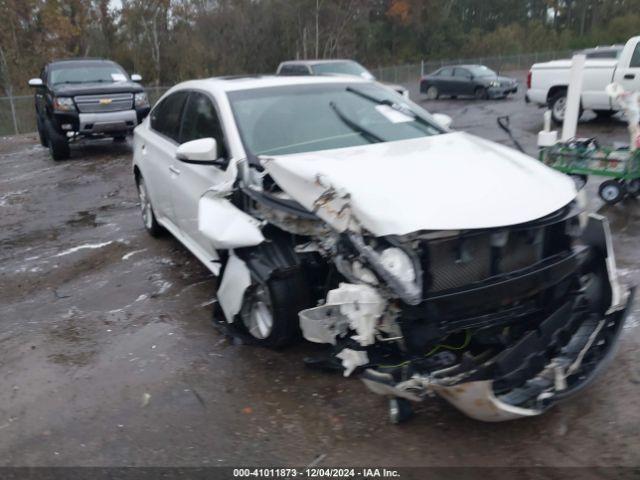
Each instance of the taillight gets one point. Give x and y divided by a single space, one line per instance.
529 80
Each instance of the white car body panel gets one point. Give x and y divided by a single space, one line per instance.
226 226
598 73
415 179
235 281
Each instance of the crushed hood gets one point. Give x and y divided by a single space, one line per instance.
451 181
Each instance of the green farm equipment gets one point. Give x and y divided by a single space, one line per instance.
580 158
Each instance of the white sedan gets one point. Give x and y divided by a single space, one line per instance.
427 260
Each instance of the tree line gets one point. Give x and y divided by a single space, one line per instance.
170 40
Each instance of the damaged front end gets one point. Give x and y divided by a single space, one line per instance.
502 323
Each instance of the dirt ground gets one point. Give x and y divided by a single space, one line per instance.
108 356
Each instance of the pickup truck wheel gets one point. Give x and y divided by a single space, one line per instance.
558 105
270 308
41 133
57 143
611 191
481 93
148 216
432 93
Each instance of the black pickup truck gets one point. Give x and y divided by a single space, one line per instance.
86 98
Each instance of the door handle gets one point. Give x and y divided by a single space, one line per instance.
629 76
174 170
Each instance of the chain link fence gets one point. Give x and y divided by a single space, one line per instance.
17 114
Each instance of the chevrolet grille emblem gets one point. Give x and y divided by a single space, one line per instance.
105 101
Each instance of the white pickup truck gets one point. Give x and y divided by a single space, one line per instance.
547 82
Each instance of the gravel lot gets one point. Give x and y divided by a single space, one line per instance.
108 356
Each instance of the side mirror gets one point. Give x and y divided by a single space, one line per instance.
35 82
135 77
203 150
443 120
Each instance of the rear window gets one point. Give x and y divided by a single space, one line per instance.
294 70
165 117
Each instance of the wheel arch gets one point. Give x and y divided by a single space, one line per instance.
553 91
137 174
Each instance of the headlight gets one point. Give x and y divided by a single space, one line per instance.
395 267
494 83
141 100
398 264
63 104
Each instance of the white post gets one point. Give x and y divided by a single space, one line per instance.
572 110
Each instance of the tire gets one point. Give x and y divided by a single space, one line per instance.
269 312
481 93
433 93
57 143
604 113
633 187
41 132
557 105
149 220
400 410
611 191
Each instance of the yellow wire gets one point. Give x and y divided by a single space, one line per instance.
434 350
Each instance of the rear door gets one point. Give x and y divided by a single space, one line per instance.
444 81
158 152
200 120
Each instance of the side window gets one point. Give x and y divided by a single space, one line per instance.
462 73
201 121
294 70
635 58
446 72
165 117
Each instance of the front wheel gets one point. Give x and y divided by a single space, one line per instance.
611 191
481 93
57 143
148 216
270 308
42 135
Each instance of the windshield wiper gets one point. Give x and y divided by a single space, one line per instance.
355 125
75 82
390 103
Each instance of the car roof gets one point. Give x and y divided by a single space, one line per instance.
72 61
231 84
317 61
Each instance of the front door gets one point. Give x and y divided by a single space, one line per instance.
158 153
200 120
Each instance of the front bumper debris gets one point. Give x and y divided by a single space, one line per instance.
563 316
